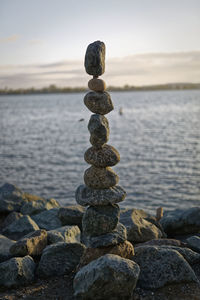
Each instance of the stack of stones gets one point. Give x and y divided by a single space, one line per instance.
100 225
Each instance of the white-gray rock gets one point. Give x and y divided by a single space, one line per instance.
48 219
108 277
17 271
67 234
5 245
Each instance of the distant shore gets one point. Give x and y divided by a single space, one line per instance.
53 89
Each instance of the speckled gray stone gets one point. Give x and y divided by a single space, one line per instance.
98 102
109 277
5 245
11 198
100 178
67 234
95 58
86 196
114 237
99 130
194 243
107 156
100 219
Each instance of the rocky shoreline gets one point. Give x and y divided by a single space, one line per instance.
41 247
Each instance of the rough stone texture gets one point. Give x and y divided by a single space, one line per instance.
138 229
71 215
97 85
11 198
20 227
5 245
48 219
108 277
98 127
32 244
13 216
17 271
160 266
194 243
115 237
35 207
99 102
124 250
87 196
100 178
181 221
107 156
162 242
58 259
95 58
67 234
100 219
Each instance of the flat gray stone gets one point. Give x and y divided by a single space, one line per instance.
107 156
20 227
5 245
100 178
98 127
86 196
115 237
108 277
67 234
71 215
138 228
99 220
17 271
35 207
59 259
98 102
181 221
194 243
48 219
11 198
95 58
160 266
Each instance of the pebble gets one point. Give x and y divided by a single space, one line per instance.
107 156
97 85
95 59
100 178
98 103
98 127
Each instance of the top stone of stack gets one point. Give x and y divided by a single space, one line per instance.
95 59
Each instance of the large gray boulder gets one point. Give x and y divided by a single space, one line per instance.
60 259
48 219
138 228
17 271
36 206
20 227
71 215
194 243
160 267
11 198
67 234
32 244
181 221
13 216
5 245
108 277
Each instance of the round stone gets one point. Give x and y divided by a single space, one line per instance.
97 85
115 237
98 102
86 196
100 219
98 127
100 178
95 59
107 156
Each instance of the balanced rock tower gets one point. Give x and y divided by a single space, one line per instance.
100 224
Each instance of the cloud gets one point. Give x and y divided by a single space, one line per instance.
139 69
35 42
9 39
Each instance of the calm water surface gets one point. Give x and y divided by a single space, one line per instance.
42 143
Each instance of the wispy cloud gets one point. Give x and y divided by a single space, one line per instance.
140 69
35 42
9 39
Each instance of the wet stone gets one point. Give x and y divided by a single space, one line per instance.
100 220
97 85
98 102
115 237
95 59
86 196
99 130
100 178
107 156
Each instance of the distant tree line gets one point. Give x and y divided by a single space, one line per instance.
54 89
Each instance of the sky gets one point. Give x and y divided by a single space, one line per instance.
43 42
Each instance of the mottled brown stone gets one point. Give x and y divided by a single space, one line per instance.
98 102
100 178
97 85
107 156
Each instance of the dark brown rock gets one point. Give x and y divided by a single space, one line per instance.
106 156
97 85
98 127
100 178
98 102
95 59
